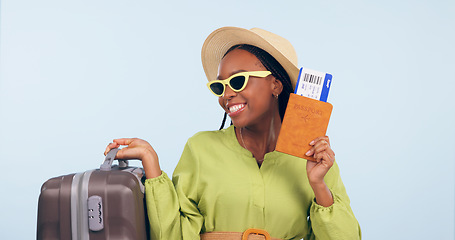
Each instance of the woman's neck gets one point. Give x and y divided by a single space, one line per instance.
261 138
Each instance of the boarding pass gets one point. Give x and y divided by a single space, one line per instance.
313 84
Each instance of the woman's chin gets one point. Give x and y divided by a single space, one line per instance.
237 124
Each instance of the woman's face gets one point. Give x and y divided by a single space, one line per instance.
254 104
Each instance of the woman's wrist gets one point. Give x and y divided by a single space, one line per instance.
151 164
322 194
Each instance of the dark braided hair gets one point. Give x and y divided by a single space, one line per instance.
272 65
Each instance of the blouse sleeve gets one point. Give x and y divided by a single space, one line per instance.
172 205
336 221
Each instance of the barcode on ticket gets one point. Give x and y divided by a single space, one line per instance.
313 84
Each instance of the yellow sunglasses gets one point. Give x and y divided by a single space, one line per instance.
236 82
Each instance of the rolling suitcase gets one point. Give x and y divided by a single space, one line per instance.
105 203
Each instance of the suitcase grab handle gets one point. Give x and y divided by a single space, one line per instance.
110 156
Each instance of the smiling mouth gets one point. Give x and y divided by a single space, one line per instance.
236 108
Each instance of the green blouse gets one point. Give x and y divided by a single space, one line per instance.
218 186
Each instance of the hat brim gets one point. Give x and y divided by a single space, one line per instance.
221 40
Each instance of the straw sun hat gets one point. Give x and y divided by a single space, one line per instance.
219 41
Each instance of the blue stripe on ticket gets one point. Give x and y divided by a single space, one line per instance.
326 87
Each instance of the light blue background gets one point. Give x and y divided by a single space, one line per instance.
77 74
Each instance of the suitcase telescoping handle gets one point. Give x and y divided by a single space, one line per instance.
110 156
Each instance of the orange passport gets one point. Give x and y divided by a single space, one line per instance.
304 120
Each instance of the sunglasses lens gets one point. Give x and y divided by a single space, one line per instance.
217 88
237 82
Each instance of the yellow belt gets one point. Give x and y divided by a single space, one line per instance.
249 234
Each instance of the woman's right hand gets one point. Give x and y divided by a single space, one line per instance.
137 149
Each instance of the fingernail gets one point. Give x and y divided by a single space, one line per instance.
308 153
312 142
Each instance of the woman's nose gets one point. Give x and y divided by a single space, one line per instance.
228 92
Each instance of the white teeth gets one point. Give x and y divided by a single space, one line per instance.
235 108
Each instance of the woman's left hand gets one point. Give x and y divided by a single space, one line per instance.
324 156
316 171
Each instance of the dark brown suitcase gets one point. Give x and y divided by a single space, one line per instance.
105 203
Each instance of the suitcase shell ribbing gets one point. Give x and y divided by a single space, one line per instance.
96 204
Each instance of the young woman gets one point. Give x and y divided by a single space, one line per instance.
230 183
